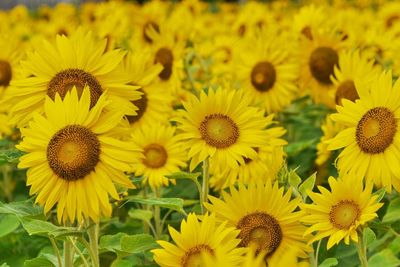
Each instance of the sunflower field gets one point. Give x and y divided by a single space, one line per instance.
200 134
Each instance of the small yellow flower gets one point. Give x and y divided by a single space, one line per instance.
340 212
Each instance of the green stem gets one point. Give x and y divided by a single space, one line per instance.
89 249
362 250
146 228
93 232
206 177
7 182
157 218
68 254
79 252
56 250
165 218
317 253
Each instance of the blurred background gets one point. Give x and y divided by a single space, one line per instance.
6 4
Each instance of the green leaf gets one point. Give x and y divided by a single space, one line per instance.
40 261
8 224
329 262
4 265
369 236
138 243
294 179
121 263
384 258
394 246
393 211
22 208
308 184
143 215
38 227
10 155
295 148
43 228
380 193
184 175
169 203
111 242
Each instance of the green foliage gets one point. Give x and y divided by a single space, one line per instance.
10 155
169 203
384 258
329 262
393 211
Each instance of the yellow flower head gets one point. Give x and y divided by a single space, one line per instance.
265 216
370 135
197 238
163 154
71 158
221 125
155 103
352 66
340 212
267 70
263 168
78 60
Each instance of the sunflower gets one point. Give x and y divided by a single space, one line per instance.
248 260
10 53
339 213
198 237
309 20
222 49
318 57
370 133
162 151
152 15
265 216
168 52
111 20
252 17
71 158
77 61
264 167
267 70
155 105
389 15
58 20
222 125
352 66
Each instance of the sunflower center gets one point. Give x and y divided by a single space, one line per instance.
219 130
260 229
155 156
165 57
5 73
73 152
344 214
392 20
322 62
65 80
142 106
242 30
346 90
148 26
192 257
376 129
228 54
263 76
306 31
